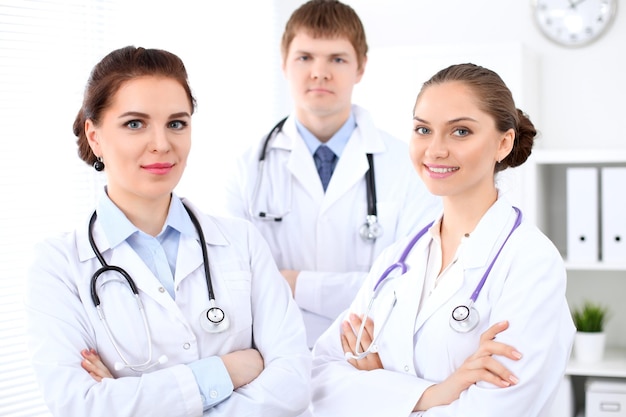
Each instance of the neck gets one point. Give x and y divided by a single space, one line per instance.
323 127
147 215
460 215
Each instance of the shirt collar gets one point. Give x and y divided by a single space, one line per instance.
336 143
117 228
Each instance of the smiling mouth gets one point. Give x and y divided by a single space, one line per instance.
443 170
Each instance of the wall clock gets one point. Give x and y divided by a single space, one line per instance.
573 22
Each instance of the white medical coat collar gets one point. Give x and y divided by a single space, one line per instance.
372 142
478 249
212 234
351 167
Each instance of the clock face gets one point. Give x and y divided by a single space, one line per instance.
573 22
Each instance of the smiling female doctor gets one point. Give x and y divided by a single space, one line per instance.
478 325
188 312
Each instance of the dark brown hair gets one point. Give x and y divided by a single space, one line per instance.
111 73
495 99
327 19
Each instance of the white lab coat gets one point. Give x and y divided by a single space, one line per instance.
248 287
320 236
526 287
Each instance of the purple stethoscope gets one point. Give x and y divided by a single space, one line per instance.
464 317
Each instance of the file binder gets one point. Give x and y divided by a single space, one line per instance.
582 214
613 214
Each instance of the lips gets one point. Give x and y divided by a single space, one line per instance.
440 172
158 168
319 90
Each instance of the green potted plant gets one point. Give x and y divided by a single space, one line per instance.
591 317
590 320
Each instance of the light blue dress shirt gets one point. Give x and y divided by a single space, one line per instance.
159 254
336 143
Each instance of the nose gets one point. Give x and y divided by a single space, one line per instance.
321 70
437 148
160 141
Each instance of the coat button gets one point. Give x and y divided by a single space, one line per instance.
406 368
161 289
186 346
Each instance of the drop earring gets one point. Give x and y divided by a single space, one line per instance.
98 165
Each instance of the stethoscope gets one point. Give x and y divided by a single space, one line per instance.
370 230
464 318
212 319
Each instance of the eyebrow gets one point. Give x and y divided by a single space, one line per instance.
333 54
147 116
449 122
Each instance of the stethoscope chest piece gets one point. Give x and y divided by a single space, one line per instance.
371 229
464 318
213 319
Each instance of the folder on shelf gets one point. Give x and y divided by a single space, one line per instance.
613 210
582 214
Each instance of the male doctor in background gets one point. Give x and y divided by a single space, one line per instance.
317 231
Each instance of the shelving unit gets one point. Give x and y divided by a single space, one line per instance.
613 365
545 193
545 203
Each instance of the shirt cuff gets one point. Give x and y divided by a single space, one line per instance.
213 380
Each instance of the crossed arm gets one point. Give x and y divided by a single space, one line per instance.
480 366
243 366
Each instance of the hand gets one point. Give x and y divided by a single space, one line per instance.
291 277
93 365
243 366
348 342
480 366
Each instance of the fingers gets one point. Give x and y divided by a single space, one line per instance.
493 331
368 331
349 342
350 332
489 369
489 346
93 365
486 367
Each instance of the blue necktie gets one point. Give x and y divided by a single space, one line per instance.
324 161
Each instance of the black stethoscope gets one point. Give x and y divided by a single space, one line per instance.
464 317
370 230
212 319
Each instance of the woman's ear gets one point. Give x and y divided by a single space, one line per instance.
506 145
92 137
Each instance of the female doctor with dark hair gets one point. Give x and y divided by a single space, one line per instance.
478 323
188 312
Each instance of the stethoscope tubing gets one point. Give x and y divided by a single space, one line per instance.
371 230
105 267
468 308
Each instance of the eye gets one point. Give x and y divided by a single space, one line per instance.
421 130
177 124
338 60
461 131
303 58
134 124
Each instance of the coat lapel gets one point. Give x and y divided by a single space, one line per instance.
478 252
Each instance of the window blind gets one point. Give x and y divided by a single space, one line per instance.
46 50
